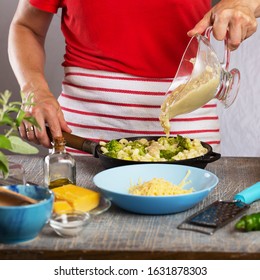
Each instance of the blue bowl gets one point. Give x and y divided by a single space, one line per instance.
114 183
23 223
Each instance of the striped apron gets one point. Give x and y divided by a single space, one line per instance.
101 105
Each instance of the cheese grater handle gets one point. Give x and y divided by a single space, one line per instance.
249 195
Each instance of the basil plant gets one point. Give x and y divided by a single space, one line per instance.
11 116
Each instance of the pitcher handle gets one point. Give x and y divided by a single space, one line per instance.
226 55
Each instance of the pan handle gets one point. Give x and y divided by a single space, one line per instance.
80 143
77 142
211 158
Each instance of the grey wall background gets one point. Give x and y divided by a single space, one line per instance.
240 124
54 48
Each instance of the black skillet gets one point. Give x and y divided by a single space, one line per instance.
94 148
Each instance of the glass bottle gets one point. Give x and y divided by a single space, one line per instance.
59 166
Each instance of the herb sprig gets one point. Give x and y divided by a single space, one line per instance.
11 116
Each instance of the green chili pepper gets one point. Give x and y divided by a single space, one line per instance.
249 222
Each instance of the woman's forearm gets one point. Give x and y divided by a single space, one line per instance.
27 34
27 58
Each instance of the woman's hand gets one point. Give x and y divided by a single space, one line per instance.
234 19
46 110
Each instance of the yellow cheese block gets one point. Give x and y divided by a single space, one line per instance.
60 206
77 197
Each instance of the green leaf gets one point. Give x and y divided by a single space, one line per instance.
4 167
16 104
13 109
5 143
6 120
20 117
33 121
6 96
21 147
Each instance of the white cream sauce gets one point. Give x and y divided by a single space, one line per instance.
189 97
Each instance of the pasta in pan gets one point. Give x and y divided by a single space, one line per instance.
164 149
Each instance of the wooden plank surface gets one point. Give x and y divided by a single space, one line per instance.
118 234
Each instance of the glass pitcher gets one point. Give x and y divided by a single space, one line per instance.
200 77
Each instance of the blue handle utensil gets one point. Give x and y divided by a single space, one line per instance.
249 195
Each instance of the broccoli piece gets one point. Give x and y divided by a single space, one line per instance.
114 146
167 154
162 140
172 141
111 154
183 143
139 146
180 141
168 140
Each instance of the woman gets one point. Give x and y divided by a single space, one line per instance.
120 59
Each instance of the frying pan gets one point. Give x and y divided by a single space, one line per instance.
89 146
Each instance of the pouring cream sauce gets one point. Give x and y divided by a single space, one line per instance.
190 96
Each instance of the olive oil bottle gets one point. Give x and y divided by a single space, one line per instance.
59 166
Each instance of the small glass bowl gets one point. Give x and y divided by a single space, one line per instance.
104 205
70 223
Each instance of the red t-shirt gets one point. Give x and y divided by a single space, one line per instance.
139 37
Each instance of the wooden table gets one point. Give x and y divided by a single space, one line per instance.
118 234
